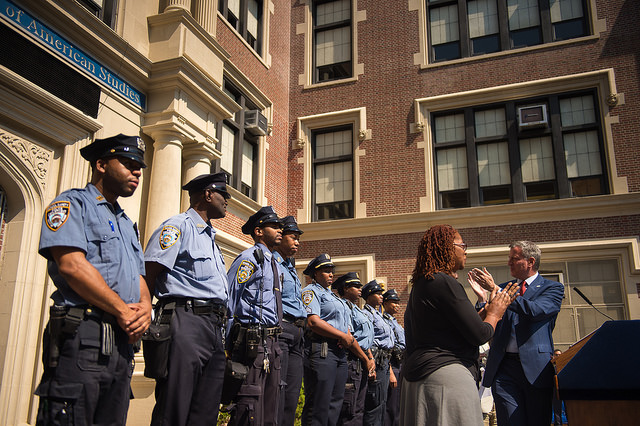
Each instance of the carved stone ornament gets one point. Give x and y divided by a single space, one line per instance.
300 143
419 127
32 155
362 134
612 99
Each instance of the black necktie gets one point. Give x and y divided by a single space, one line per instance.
276 288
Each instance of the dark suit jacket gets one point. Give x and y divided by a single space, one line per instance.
534 315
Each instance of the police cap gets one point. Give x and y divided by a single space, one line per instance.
390 295
260 218
290 225
214 181
322 261
370 288
131 147
350 279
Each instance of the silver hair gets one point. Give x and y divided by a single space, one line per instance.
529 249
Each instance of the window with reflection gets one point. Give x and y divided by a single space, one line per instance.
105 10
488 155
463 28
332 40
246 17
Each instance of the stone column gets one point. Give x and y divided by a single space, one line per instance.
178 4
205 12
197 161
165 180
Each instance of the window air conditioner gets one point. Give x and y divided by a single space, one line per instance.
532 116
255 123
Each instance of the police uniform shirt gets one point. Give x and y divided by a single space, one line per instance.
398 331
361 326
291 288
251 296
84 219
329 307
383 333
185 245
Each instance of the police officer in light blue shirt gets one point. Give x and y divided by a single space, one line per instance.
293 320
375 401
101 302
391 304
349 287
255 305
186 271
325 364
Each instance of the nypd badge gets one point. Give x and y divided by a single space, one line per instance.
245 270
56 214
168 236
307 297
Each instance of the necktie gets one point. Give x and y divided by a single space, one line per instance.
277 288
523 288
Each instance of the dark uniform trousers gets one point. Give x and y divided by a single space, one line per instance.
87 387
375 401
392 416
354 392
324 382
190 394
258 399
292 346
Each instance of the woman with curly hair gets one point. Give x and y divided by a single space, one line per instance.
443 332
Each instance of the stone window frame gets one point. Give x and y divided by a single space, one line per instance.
305 29
357 117
421 58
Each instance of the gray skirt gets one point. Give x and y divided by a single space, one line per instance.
446 397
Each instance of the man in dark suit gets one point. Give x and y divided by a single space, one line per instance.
518 369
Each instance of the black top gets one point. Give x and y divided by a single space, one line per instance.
442 327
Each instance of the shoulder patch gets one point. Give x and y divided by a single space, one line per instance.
245 271
56 214
307 297
168 236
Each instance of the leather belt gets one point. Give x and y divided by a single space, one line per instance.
198 306
512 355
265 331
298 322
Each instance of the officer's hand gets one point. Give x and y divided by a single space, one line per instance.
346 340
371 368
393 382
140 320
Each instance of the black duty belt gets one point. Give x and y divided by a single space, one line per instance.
264 331
198 306
512 355
298 322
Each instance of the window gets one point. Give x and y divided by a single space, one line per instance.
332 51
105 10
463 28
332 173
487 155
245 16
598 279
239 147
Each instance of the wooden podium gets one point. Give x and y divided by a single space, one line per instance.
599 376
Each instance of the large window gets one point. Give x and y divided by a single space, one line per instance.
246 17
105 10
238 146
598 279
463 28
332 44
527 150
332 173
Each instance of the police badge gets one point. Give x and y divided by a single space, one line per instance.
307 297
56 214
245 270
168 236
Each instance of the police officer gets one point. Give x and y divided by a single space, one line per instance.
186 271
255 306
101 304
293 320
325 363
391 304
375 401
349 288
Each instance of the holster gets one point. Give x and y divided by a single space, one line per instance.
63 322
235 374
156 343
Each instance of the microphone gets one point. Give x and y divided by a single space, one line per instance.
586 299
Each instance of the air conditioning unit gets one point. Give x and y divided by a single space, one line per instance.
255 123
532 116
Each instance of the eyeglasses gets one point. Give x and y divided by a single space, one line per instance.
463 246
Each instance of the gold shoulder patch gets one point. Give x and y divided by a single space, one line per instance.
168 236
245 271
307 297
57 214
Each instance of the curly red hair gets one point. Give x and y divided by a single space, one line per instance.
435 252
